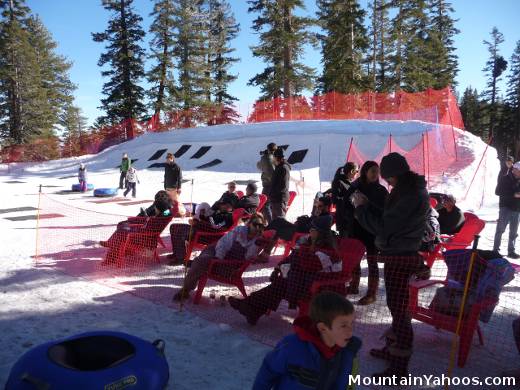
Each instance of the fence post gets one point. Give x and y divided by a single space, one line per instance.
455 343
38 224
181 301
424 158
349 147
390 143
478 167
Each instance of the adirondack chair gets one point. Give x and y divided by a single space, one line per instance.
234 279
461 240
141 239
470 322
433 203
292 195
201 239
240 194
262 202
351 251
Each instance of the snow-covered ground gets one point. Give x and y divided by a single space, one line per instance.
208 346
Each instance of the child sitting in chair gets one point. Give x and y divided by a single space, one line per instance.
322 354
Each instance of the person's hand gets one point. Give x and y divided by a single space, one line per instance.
509 164
358 199
517 194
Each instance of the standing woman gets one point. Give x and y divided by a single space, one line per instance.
398 231
82 177
368 184
341 189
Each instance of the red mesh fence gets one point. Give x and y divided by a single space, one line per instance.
133 258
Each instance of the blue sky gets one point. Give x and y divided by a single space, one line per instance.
72 21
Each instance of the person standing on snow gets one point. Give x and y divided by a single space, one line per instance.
508 190
131 182
126 163
398 230
279 193
82 177
172 176
266 166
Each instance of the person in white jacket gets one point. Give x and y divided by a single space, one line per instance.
241 243
131 181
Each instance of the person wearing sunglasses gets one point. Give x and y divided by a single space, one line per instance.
242 243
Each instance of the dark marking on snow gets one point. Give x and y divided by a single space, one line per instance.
157 154
183 149
34 217
201 152
210 164
15 209
14 181
157 165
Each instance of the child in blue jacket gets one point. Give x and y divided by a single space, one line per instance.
320 355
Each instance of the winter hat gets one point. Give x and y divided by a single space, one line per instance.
162 196
322 223
271 147
252 186
392 165
278 153
516 165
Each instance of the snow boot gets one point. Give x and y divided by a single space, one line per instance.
371 295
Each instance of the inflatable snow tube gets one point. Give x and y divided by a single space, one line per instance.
101 192
93 360
76 187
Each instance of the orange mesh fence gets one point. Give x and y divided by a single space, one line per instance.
130 254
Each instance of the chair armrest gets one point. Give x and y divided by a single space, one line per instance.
317 284
144 233
419 284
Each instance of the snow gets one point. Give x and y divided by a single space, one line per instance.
208 346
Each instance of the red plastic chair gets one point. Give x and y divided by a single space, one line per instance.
292 195
289 245
460 240
140 242
433 202
262 202
447 322
352 252
240 194
201 239
468 216
235 279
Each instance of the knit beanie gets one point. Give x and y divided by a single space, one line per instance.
393 165
252 186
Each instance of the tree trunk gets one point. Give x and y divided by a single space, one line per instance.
287 54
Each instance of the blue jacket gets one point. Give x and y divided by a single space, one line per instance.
296 364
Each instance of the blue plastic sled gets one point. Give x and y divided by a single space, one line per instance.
76 188
93 360
101 192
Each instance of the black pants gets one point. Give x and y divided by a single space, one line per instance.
122 180
397 272
130 186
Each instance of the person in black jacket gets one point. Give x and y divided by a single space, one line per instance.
398 231
450 217
279 193
508 190
341 189
230 196
266 166
172 175
250 200
368 185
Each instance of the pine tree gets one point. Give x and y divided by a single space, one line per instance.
471 110
163 92
444 61
380 47
513 99
124 95
343 41
191 53
74 126
283 36
495 66
223 29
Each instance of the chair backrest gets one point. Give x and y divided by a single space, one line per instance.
292 195
465 236
433 202
351 251
262 202
237 215
468 216
240 194
158 224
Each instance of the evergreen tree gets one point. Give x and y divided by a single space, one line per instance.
74 126
471 110
513 100
191 52
380 47
163 91
223 29
124 95
495 66
442 31
343 41
283 35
